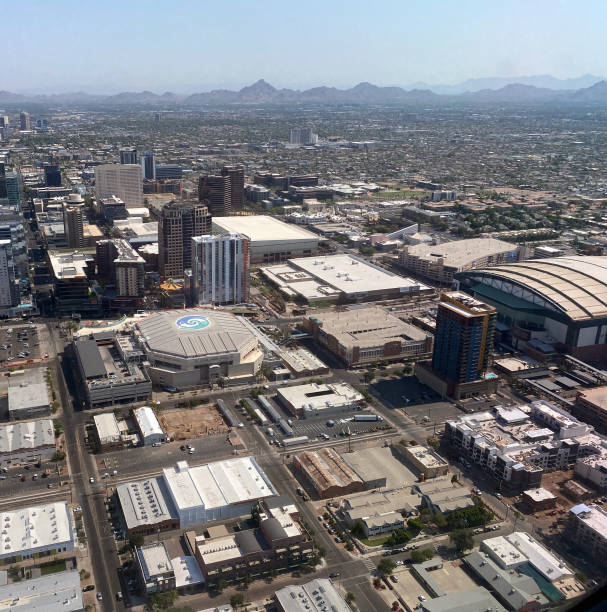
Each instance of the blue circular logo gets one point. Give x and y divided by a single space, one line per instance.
192 322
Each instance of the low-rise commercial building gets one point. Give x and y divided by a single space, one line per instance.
315 596
279 544
425 460
148 426
439 262
56 592
320 399
36 531
587 529
272 240
327 473
365 335
155 568
518 548
107 431
591 406
27 442
515 590
442 497
28 394
539 499
342 276
478 599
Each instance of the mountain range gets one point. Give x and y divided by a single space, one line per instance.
262 92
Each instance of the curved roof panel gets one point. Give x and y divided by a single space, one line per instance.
575 285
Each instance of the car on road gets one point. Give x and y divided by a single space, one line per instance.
91 480
334 575
119 595
155 443
191 450
421 598
50 485
479 530
88 587
320 518
399 562
394 578
22 478
498 495
182 447
496 527
99 596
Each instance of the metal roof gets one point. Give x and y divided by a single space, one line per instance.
90 358
247 542
576 285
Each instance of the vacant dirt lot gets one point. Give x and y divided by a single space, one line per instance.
188 423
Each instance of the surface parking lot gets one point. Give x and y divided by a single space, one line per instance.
316 427
19 343
422 402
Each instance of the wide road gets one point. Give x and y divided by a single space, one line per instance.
101 545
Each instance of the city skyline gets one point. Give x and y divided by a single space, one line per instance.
329 44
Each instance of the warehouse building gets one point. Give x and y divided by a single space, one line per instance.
272 240
365 335
327 473
186 348
148 426
439 262
217 491
342 276
316 399
36 531
28 394
56 592
27 442
560 301
425 461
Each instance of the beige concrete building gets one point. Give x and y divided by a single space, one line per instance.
365 335
121 180
439 262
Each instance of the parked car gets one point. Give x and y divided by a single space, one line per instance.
88 587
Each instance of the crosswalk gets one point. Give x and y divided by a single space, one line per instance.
368 563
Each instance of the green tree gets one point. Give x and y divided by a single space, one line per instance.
415 524
162 601
461 539
237 600
358 529
221 586
386 567
136 540
439 520
350 597
369 376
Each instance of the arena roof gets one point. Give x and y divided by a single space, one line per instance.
576 286
194 332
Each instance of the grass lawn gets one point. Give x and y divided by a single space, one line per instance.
398 195
52 567
376 541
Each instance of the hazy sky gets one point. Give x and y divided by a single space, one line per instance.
196 45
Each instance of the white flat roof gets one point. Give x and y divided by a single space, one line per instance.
349 274
147 421
154 560
35 528
518 547
217 484
539 494
69 265
263 228
58 592
593 516
26 435
315 396
187 571
107 427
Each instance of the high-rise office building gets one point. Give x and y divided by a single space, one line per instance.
463 346
220 269
73 224
52 175
13 190
3 190
148 165
4 121
236 174
25 121
179 222
215 192
120 180
9 287
118 264
302 136
128 156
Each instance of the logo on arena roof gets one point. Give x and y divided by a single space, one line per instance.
192 322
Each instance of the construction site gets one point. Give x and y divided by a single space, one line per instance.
187 423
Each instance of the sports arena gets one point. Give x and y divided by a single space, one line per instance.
197 346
